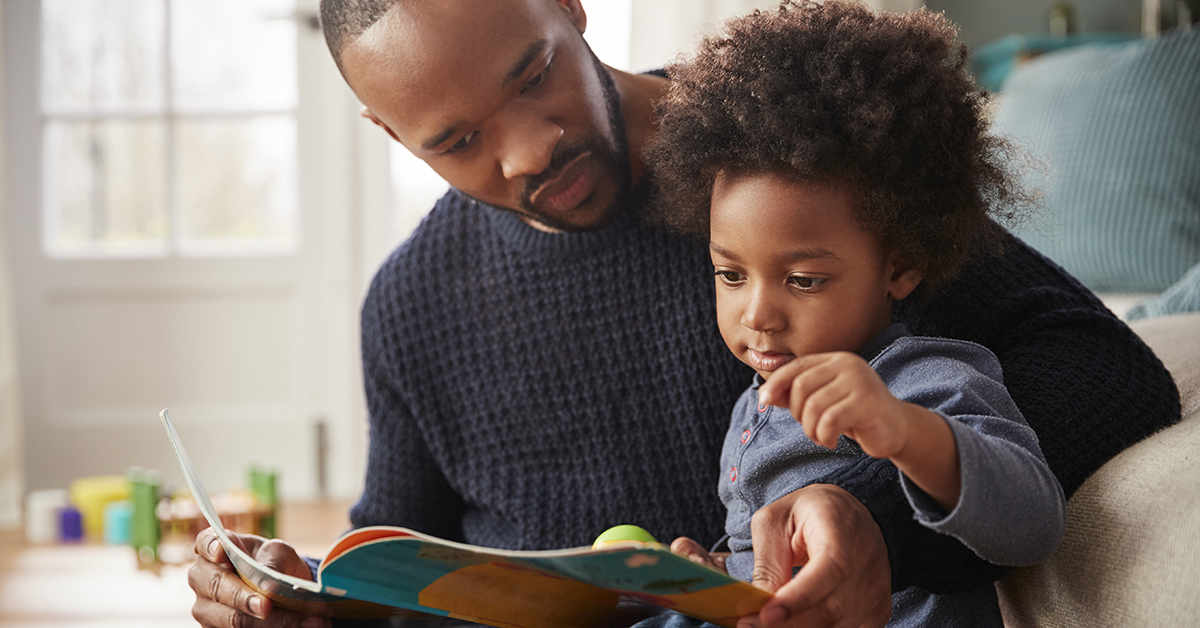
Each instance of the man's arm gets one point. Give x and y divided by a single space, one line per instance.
404 485
1087 385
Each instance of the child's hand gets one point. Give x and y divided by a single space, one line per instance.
688 548
839 393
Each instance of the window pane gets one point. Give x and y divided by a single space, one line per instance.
237 185
104 187
102 55
415 188
233 54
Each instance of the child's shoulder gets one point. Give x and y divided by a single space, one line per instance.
933 356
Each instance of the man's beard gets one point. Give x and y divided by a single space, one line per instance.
615 156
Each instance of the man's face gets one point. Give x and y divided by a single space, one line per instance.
503 99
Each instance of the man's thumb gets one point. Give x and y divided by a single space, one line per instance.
773 561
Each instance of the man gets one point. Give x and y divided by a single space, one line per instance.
539 374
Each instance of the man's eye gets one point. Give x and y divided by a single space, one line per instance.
805 283
461 144
729 277
536 81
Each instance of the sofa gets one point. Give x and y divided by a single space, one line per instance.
1116 126
1131 553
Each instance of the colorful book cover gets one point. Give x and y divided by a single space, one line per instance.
386 571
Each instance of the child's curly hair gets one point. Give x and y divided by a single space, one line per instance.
833 93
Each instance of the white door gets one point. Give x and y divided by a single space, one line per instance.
183 225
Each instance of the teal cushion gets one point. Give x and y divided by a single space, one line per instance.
1119 128
1182 297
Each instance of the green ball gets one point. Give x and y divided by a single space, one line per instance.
617 534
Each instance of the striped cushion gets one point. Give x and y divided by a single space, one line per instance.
1184 296
1119 128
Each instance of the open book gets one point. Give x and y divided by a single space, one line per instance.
386 571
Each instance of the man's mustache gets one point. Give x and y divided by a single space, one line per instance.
561 157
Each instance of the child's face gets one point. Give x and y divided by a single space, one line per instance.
795 272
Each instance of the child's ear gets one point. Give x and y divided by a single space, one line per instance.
903 278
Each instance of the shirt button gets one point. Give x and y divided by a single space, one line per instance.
762 407
733 474
745 436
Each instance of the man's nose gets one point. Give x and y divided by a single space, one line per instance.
528 148
762 313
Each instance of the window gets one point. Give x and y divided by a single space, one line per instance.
168 128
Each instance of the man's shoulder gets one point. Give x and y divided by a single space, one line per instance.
438 248
454 225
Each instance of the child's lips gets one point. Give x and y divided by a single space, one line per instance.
769 360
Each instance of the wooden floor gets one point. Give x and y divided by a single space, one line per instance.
101 586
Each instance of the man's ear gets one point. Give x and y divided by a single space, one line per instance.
575 13
904 277
368 114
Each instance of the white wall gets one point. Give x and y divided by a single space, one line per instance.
663 29
11 485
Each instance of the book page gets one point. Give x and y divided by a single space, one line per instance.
284 590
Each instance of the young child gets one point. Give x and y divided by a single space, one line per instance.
839 161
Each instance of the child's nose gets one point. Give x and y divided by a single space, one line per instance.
762 313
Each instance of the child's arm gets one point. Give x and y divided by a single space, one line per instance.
1009 509
839 393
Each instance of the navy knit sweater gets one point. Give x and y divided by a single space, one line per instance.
529 390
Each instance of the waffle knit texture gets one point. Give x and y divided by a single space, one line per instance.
529 390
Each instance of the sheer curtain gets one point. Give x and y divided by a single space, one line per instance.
11 485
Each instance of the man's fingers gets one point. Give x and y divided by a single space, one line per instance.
222 586
224 601
810 595
208 547
283 558
693 551
775 548
210 614
845 581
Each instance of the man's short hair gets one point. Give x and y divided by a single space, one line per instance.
344 21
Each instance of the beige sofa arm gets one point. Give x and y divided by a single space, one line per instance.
1131 554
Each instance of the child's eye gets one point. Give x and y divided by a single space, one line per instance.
729 277
806 283
461 144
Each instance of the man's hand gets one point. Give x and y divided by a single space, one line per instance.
845 580
692 550
224 601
